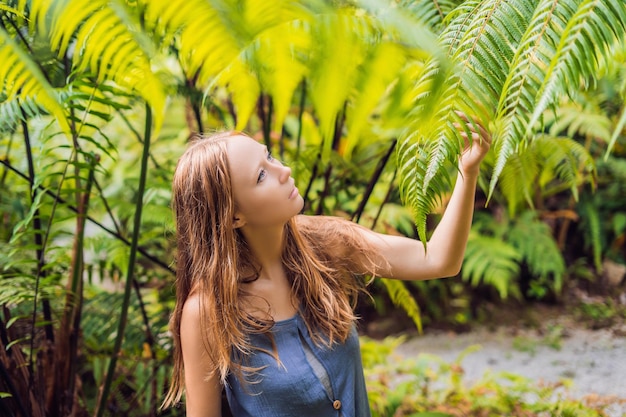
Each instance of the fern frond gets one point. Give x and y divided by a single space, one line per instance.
401 297
17 110
219 43
24 82
555 162
103 39
412 170
480 37
432 13
379 70
484 46
493 262
564 159
580 115
16 290
595 26
517 181
533 240
334 69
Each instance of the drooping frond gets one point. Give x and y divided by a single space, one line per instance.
491 261
401 297
514 60
533 240
16 110
412 171
23 82
228 45
431 12
558 54
517 181
566 160
580 115
479 37
586 40
549 163
103 39
380 69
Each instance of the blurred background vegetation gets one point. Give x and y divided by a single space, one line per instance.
99 97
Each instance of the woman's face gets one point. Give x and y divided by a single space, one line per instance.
265 193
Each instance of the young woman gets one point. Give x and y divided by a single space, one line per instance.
265 296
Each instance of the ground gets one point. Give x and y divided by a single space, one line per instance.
581 342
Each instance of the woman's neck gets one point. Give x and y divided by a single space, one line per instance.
266 244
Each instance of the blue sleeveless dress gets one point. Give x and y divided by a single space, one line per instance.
294 388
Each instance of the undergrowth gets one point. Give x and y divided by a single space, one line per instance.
428 386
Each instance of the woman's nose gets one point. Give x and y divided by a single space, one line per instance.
285 173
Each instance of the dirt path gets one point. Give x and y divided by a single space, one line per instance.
594 360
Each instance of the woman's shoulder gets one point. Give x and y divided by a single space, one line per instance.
323 222
191 311
331 228
341 240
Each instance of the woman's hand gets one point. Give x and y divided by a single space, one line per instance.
477 142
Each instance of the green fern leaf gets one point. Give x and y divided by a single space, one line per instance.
517 181
431 13
565 159
401 297
588 36
533 240
493 262
24 82
105 41
592 227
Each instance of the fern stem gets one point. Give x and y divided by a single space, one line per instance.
61 200
67 344
299 134
265 115
314 170
38 251
138 136
385 200
373 181
325 190
193 102
339 122
131 265
4 373
5 171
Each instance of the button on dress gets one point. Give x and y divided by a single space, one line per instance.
295 387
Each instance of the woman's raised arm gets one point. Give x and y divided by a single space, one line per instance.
405 258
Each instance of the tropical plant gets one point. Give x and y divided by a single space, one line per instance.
335 87
498 249
428 386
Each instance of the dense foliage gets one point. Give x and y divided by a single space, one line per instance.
99 97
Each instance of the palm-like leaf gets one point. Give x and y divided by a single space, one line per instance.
517 58
402 298
243 49
102 39
490 261
549 163
22 81
533 240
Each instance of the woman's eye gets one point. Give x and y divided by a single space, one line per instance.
269 156
262 176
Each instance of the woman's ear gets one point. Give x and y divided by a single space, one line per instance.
238 222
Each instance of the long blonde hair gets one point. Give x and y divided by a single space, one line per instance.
213 259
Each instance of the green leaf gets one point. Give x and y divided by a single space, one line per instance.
23 81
